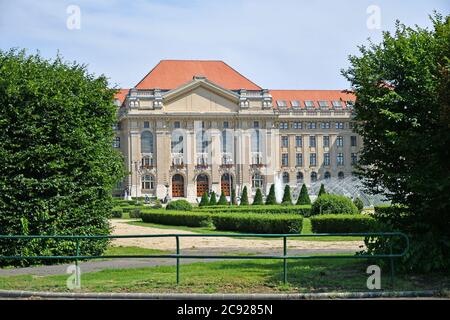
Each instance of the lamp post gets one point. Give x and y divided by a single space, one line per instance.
137 171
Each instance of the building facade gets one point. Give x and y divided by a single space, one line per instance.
190 127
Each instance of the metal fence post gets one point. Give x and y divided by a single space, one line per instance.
284 260
178 259
392 265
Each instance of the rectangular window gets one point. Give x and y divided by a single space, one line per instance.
309 104
284 125
177 124
312 141
340 141
312 159
226 125
298 159
296 125
284 141
326 141
298 141
323 104
255 124
281 103
353 141
326 159
284 159
354 159
311 125
295 104
146 124
339 125
340 159
116 126
325 125
116 142
337 104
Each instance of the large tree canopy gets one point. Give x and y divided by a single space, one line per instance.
57 164
402 110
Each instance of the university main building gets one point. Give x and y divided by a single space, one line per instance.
193 126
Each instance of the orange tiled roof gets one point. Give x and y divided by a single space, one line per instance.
121 94
170 74
311 95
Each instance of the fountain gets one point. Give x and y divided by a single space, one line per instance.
278 188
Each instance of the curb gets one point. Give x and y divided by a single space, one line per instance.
16 294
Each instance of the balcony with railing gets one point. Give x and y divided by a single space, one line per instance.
227 160
257 160
147 162
202 162
177 161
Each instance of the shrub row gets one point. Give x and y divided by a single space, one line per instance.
333 204
303 210
179 205
336 223
255 223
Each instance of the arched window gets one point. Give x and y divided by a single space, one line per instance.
299 177
327 175
147 142
313 176
148 182
340 175
257 181
285 177
202 184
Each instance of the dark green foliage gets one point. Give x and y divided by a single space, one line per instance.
402 89
213 200
222 200
117 213
157 204
135 213
287 199
233 197
258 223
322 190
244 197
179 205
271 198
57 163
303 198
258 200
303 210
333 204
345 223
177 218
204 201
359 204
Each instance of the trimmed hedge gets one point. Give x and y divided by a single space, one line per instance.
135 213
177 218
343 223
116 213
179 205
304 210
333 204
258 223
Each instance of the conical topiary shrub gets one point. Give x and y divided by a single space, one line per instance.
271 198
287 199
233 197
303 198
322 190
213 200
258 200
222 200
205 200
244 197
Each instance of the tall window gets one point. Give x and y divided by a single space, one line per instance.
353 141
327 175
284 159
354 159
298 159
256 141
148 182
340 159
313 176
147 142
116 142
285 177
340 175
340 141
177 142
326 141
202 141
312 141
257 181
299 177
298 141
284 141
326 159
227 141
313 159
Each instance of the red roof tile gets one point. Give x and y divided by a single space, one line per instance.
170 74
311 95
121 94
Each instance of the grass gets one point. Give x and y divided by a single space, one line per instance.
249 276
211 230
120 250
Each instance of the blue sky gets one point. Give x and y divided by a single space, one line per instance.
277 44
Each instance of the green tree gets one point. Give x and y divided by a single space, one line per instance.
322 190
359 204
233 197
222 200
258 200
402 90
287 199
303 198
57 163
213 200
271 198
244 197
204 201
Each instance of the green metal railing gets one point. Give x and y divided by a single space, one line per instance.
285 257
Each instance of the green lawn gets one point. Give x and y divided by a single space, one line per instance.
211 230
247 276
119 251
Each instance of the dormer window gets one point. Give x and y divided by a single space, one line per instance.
323 104
309 104
337 104
281 104
295 104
